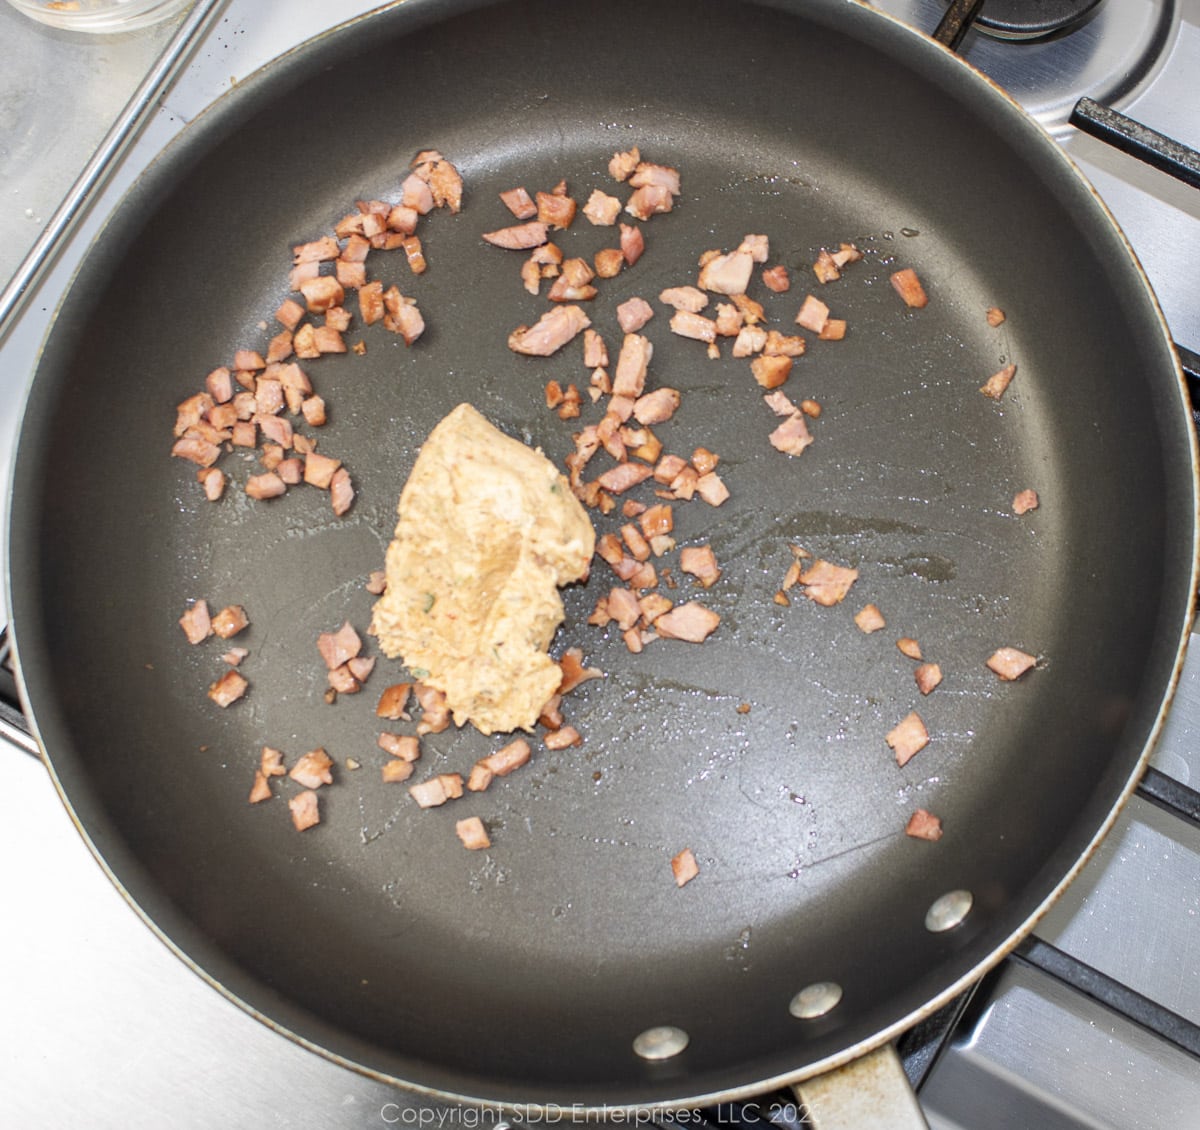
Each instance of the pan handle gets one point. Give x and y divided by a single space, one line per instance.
869 1093
956 22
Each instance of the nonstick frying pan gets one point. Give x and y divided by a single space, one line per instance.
525 974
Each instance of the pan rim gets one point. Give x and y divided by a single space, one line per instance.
900 1025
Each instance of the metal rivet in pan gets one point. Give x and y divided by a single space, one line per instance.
661 1042
948 911
815 1000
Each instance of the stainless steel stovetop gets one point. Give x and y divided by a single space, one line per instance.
1095 1023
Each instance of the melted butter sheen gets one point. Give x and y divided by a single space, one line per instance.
488 530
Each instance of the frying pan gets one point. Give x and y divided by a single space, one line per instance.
525 974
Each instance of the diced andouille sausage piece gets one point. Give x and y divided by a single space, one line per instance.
352 276
508 758
341 679
994 386
271 762
401 315
771 370
228 688
826 268
846 253
341 491
437 790
435 713
694 326
305 810
684 867
595 352
923 825
908 286
479 778
518 237
813 314
396 770
261 789
927 676
196 622
235 655
321 293
550 332
777 279
1010 663
416 193
647 174
361 667
198 450
779 403
657 520
519 203
656 407
290 313
684 484
649 200
623 608
621 165
268 485
609 262
633 314
318 251
302 273
690 622
792 436
574 672
701 563
312 408
555 209
472 833
995 316
869 619
633 362
618 479
827 584
727 274
712 488
219 385
340 646
370 302
907 738
758 247
833 330
248 360
229 621
749 341
444 180
563 737
313 769
668 468
393 703
633 243
602 209
407 747
910 647
319 469
1024 501
688 298
304 342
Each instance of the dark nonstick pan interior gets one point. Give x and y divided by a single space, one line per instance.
524 973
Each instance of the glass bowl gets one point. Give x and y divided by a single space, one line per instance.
100 15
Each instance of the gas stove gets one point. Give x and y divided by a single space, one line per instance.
1094 1021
